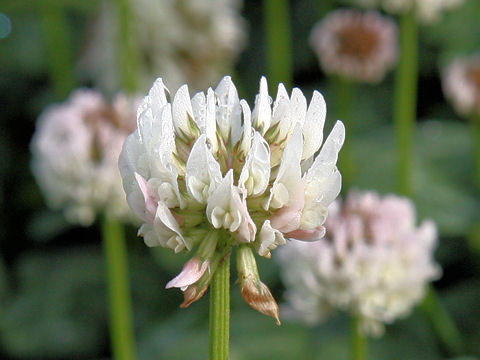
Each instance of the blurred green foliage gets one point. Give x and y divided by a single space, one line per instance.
52 287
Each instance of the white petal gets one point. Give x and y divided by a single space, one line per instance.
199 108
270 238
255 174
227 209
182 111
262 112
203 172
210 122
168 231
313 126
247 131
228 109
289 173
298 107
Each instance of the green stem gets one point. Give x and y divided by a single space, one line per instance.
58 46
220 311
406 100
442 323
279 52
121 327
359 341
475 125
128 55
344 90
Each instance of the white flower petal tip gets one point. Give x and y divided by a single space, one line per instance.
192 271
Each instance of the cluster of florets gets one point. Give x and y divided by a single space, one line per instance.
75 150
209 172
374 262
355 45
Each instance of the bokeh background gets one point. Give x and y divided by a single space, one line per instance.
52 275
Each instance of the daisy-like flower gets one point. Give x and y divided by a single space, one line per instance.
359 46
210 173
427 11
461 85
188 41
374 262
75 151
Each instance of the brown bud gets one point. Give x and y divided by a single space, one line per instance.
192 294
259 297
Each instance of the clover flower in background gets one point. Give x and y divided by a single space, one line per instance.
207 171
355 45
75 151
427 11
461 85
190 41
374 262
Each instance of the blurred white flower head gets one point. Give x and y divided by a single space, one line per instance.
187 41
355 45
461 85
75 152
374 262
209 171
427 11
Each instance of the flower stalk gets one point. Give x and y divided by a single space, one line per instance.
344 95
220 311
121 327
405 101
57 43
277 30
359 340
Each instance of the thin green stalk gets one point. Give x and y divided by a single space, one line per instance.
359 341
58 46
442 323
344 90
406 101
128 55
121 324
475 125
279 44
220 311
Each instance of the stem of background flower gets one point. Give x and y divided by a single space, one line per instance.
279 52
344 90
57 43
220 311
475 125
442 323
406 100
121 324
359 341
129 60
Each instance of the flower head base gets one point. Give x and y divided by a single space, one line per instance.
358 46
461 85
188 41
75 154
209 171
427 11
374 263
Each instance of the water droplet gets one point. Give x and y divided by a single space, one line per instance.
5 26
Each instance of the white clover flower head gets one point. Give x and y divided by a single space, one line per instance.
374 262
188 41
461 85
209 171
75 152
356 45
427 11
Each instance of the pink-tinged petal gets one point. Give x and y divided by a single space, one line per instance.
192 271
151 202
289 217
307 235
